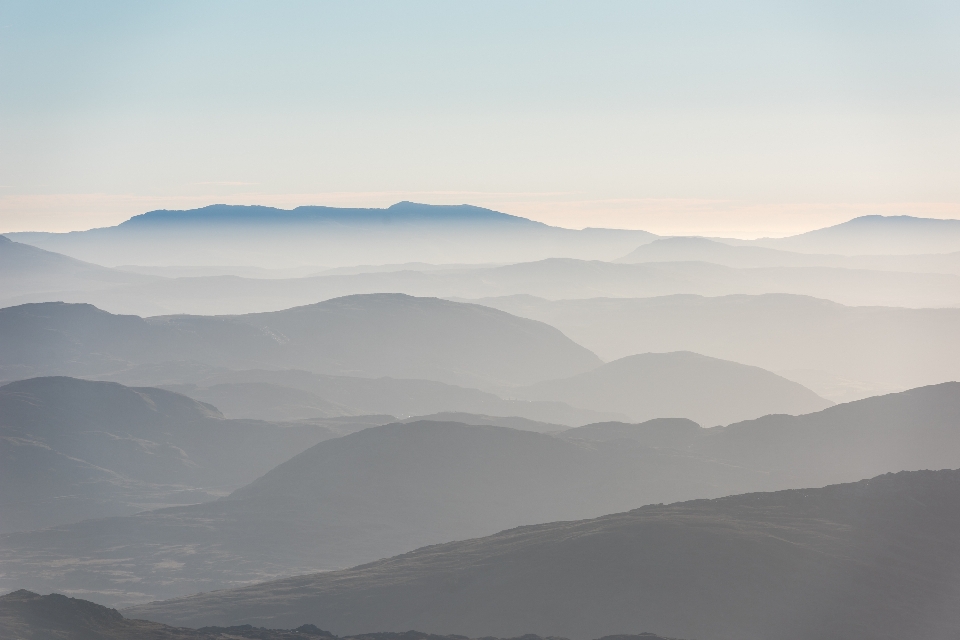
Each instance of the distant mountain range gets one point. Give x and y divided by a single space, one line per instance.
663 267
553 279
29 616
843 353
72 449
695 249
389 489
407 232
876 559
370 335
876 235
268 237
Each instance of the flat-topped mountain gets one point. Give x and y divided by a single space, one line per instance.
365 335
681 384
389 489
878 558
269 237
399 213
29 616
73 449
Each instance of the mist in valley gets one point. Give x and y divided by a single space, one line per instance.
620 322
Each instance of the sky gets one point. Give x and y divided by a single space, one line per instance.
740 119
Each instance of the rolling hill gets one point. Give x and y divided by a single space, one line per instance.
680 385
369 336
842 353
875 559
26 270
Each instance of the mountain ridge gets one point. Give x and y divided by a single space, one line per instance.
877 558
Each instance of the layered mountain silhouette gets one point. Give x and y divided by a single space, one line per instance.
298 395
842 353
373 493
878 558
696 249
370 335
73 449
389 489
681 384
555 278
269 237
29 616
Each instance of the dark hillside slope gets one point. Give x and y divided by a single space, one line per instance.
73 449
875 559
682 384
365 335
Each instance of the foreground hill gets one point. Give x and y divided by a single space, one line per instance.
269 237
72 449
873 559
842 353
29 616
389 489
369 335
680 385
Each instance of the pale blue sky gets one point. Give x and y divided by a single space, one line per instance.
720 117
